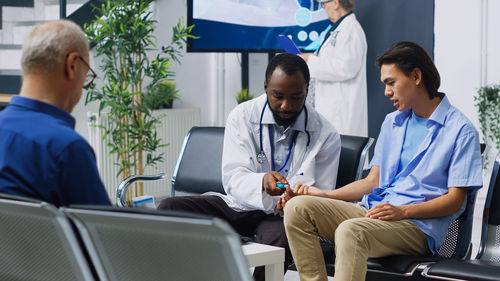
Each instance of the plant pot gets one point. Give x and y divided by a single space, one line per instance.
165 105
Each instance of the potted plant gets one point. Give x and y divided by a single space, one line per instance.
487 103
243 95
162 95
132 66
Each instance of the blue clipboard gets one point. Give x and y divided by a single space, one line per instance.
287 44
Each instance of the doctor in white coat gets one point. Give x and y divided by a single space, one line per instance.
274 137
338 71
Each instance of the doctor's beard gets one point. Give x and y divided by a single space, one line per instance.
285 122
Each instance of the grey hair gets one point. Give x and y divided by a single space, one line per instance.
347 4
48 44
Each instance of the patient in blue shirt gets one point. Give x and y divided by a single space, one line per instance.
427 161
41 156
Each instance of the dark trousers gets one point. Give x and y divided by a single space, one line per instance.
268 229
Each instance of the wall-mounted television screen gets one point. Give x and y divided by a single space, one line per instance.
252 25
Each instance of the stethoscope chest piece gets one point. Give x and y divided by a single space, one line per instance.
261 157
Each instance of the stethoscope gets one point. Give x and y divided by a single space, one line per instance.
261 156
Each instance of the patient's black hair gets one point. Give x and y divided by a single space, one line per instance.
407 56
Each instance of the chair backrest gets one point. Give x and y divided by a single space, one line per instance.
457 242
490 243
129 245
198 167
353 153
37 242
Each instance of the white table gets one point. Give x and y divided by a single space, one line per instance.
270 256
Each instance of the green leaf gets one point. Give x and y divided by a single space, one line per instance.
125 44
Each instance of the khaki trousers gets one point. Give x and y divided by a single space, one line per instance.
356 238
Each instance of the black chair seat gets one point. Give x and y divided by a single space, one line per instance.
395 264
480 270
399 264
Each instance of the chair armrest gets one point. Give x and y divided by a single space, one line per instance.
121 191
463 270
400 264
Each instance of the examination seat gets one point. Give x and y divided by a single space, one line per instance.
486 265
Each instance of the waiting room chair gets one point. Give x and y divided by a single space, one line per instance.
353 153
486 265
199 166
131 244
37 242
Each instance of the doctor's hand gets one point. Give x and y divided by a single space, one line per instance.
287 195
269 183
304 189
386 212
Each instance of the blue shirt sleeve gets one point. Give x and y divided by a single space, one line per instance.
80 181
466 163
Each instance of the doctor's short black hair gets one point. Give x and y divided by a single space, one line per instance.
407 56
290 64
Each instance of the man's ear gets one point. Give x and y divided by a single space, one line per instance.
416 75
265 86
337 4
70 65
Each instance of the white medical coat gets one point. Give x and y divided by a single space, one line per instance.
242 175
338 72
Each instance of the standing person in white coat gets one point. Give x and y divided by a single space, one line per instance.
274 137
338 71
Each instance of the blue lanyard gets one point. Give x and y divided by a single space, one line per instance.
273 165
261 156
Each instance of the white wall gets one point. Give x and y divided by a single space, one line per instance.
466 61
458 50
493 54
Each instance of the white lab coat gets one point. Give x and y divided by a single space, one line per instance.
338 72
242 175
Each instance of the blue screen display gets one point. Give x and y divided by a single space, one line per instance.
252 25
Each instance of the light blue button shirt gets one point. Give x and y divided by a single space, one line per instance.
416 130
449 156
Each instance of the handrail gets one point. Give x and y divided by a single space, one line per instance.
121 191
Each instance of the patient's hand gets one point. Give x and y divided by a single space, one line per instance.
386 212
300 189
304 189
287 195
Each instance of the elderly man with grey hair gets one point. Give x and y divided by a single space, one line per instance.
41 156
